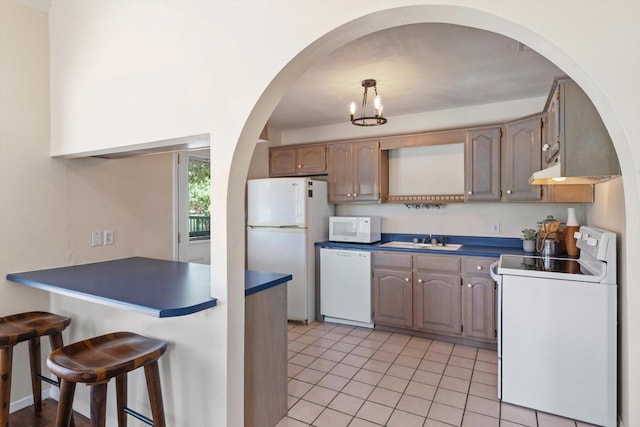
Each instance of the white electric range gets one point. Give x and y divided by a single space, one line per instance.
557 339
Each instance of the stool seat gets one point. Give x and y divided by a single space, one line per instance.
95 361
15 329
104 357
21 327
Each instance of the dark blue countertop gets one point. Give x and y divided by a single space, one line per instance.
256 281
471 246
154 287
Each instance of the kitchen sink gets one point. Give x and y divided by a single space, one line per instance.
429 246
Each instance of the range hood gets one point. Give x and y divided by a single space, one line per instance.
577 149
553 176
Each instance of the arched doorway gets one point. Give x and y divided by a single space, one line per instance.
429 13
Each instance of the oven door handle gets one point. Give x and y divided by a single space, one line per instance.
493 271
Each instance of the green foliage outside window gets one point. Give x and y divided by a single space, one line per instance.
199 187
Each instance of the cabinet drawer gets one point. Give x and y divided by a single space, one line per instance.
477 266
392 260
440 263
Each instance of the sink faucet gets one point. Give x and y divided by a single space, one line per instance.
435 241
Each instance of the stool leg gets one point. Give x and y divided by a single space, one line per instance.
65 404
121 399
55 342
98 393
155 393
6 356
36 385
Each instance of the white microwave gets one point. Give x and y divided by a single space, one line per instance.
358 229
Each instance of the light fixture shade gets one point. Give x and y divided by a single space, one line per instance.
376 119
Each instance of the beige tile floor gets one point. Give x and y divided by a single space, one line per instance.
343 376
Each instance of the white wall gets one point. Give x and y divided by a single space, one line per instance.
137 72
50 206
31 234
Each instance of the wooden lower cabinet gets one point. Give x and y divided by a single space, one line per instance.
437 303
479 299
392 289
441 294
392 297
479 307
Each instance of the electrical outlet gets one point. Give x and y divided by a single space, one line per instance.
108 237
495 227
96 238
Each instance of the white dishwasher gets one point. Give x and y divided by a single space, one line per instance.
345 286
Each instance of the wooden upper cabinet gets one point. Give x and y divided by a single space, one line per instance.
295 161
522 157
340 173
482 164
282 162
312 160
354 171
366 172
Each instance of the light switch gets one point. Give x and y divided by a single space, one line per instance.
108 237
96 238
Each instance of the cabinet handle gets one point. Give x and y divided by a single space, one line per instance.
406 279
348 194
508 191
468 285
419 280
469 192
299 166
355 194
479 267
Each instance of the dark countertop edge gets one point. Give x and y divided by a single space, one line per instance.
165 312
257 281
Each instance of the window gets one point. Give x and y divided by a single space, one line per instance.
199 199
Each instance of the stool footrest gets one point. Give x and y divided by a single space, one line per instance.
139 416
48 380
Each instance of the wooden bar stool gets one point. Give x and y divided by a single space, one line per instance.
95 361
30 327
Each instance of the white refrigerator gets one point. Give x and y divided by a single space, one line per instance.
285 217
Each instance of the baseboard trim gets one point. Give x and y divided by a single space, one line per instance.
27 401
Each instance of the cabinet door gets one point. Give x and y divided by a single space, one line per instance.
437 303
522 158
478 307
340 173
312 160
282 162
482 164
392 294
551 144
366 171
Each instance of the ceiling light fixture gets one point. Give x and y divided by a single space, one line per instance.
377 119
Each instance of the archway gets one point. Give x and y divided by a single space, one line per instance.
435 14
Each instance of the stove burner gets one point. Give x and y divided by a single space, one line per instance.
546 264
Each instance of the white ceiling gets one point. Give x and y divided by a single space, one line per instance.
419 67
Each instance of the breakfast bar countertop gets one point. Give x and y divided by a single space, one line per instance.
154 287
